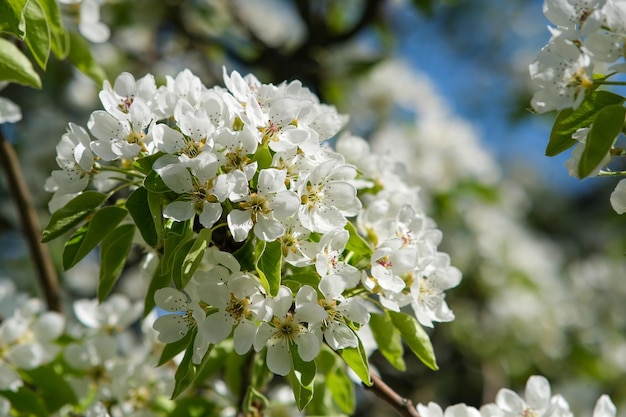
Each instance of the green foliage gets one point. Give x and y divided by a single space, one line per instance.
87 237
38 39
15 66
138 205
607 125
80 55
52 387
113 254
361 250
154 183
356 359
192 259
269 264
569 121
336 390
12 17
26 402
415 337
72 214
187 371
301 378
172 349
388 340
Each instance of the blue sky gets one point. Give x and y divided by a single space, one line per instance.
476 88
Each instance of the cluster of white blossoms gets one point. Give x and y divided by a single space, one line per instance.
537 401
589 34
250 158
96 359
586 32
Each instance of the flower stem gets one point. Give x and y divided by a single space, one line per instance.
46 273
403 406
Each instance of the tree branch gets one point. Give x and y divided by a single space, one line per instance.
403 406
46 273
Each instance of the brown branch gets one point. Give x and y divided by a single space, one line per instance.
46 274
403 406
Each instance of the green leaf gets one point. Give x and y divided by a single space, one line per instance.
172 349
194 256
569 121
415 337
60 41
356 244
234 370
301 378
52 387
15 67
388 340
139 209
607 125
336 382
72 214
269 265
26 402
187 372
424 6
86 238
194 407
113 254
245 256
81 57
144 164
37 32
153 182
356 359
12 17
177 260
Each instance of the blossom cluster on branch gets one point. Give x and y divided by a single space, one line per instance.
588 36
263 234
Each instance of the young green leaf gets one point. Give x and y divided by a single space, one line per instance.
342 390
26 402
139 209
357 245
37 32
172 349
60 41
356 359
81 57
415 337
194 256
388 340
144 164
187 372
83 241
15 66
269 265
52 387
154 183
72 214
569 121
180 253
607 125
12 17
113 254
301 378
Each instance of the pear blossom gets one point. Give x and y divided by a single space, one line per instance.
262 210
563 72
173 327
89 22
288 328
124 138
327 196
119 98
575 17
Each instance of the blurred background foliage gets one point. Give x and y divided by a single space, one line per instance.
444 85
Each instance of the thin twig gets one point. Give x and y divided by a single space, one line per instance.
403 406
46 274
